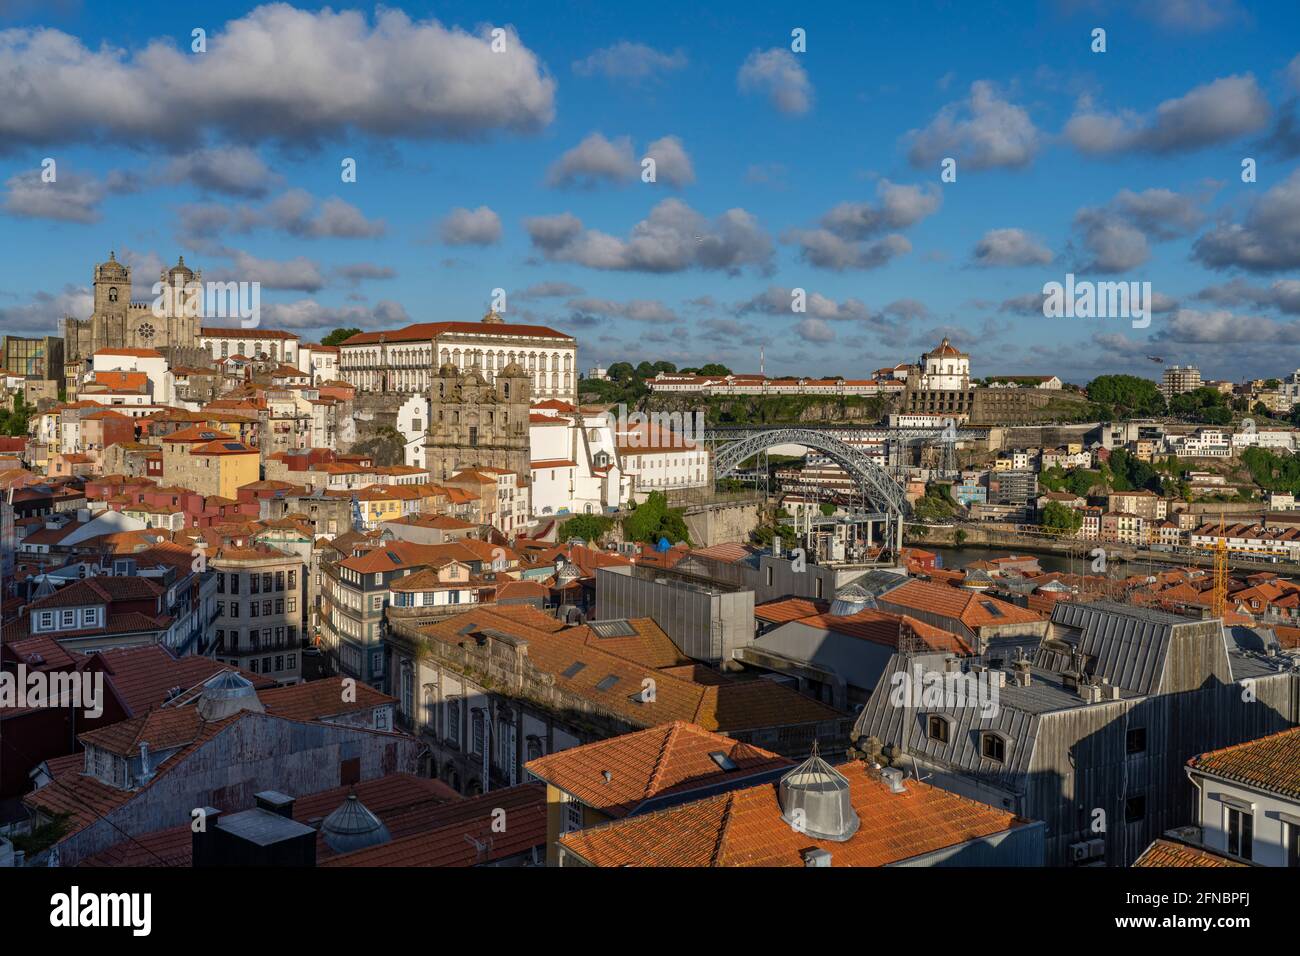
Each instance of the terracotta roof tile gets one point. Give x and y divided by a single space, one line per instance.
744 828
649 763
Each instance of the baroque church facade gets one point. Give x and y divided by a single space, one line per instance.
168 323
477 424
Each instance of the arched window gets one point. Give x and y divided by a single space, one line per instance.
112 294
453 720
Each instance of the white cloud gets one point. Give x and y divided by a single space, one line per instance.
1011 247
778 75
594 160
672 165
72 197
1214 112
983 131
466 227
674 237
629 61
277 73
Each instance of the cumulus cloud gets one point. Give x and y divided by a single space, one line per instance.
299 274
548 290
814 330
778 300
310 314
826 250
984 131
672 165
1282 294
1117 235
1214 112
1011 247
629 61
673 238
898 208
1223 327
638 310
1192 16
295 212
230 170
471 227
1267 239
72 197
598 160
43 313
277 73
778 75
356 272
594 160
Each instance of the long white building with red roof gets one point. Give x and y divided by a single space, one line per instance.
408 359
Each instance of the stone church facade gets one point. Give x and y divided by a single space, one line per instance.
474 424
119 323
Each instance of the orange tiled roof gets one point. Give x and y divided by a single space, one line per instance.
1166 853
1270 763
649 763
744 828
966 606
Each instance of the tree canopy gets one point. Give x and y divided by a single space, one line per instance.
652 519
338 336
1126 395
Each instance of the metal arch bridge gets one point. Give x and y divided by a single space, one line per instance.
876 484
734 445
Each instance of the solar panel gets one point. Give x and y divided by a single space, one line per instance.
616 628
573 669
233 445
991 608
723 761
607 682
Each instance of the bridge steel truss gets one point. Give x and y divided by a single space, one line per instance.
733 446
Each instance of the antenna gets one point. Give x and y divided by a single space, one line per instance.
760 361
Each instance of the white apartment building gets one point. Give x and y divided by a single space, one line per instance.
1281 438
1205 443
250 343
149 361
575 467
321 362
412 423
1248 800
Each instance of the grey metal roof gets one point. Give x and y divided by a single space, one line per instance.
1126 646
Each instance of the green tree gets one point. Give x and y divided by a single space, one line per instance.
339 335
590 528
621 371
1127 394
713 368
827 509
652 519
1057 517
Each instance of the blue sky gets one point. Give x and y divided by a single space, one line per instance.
777 170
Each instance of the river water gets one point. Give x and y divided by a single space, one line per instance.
960 557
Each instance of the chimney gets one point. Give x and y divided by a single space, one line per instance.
276 802
816 856
146 772
202 850
996 677
1090 692
894 777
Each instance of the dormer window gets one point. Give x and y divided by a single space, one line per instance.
936 728
993 747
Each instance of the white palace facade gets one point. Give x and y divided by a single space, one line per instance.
407 360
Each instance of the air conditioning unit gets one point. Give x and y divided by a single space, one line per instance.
1097 847
1079 852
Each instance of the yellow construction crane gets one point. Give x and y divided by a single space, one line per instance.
1220 549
